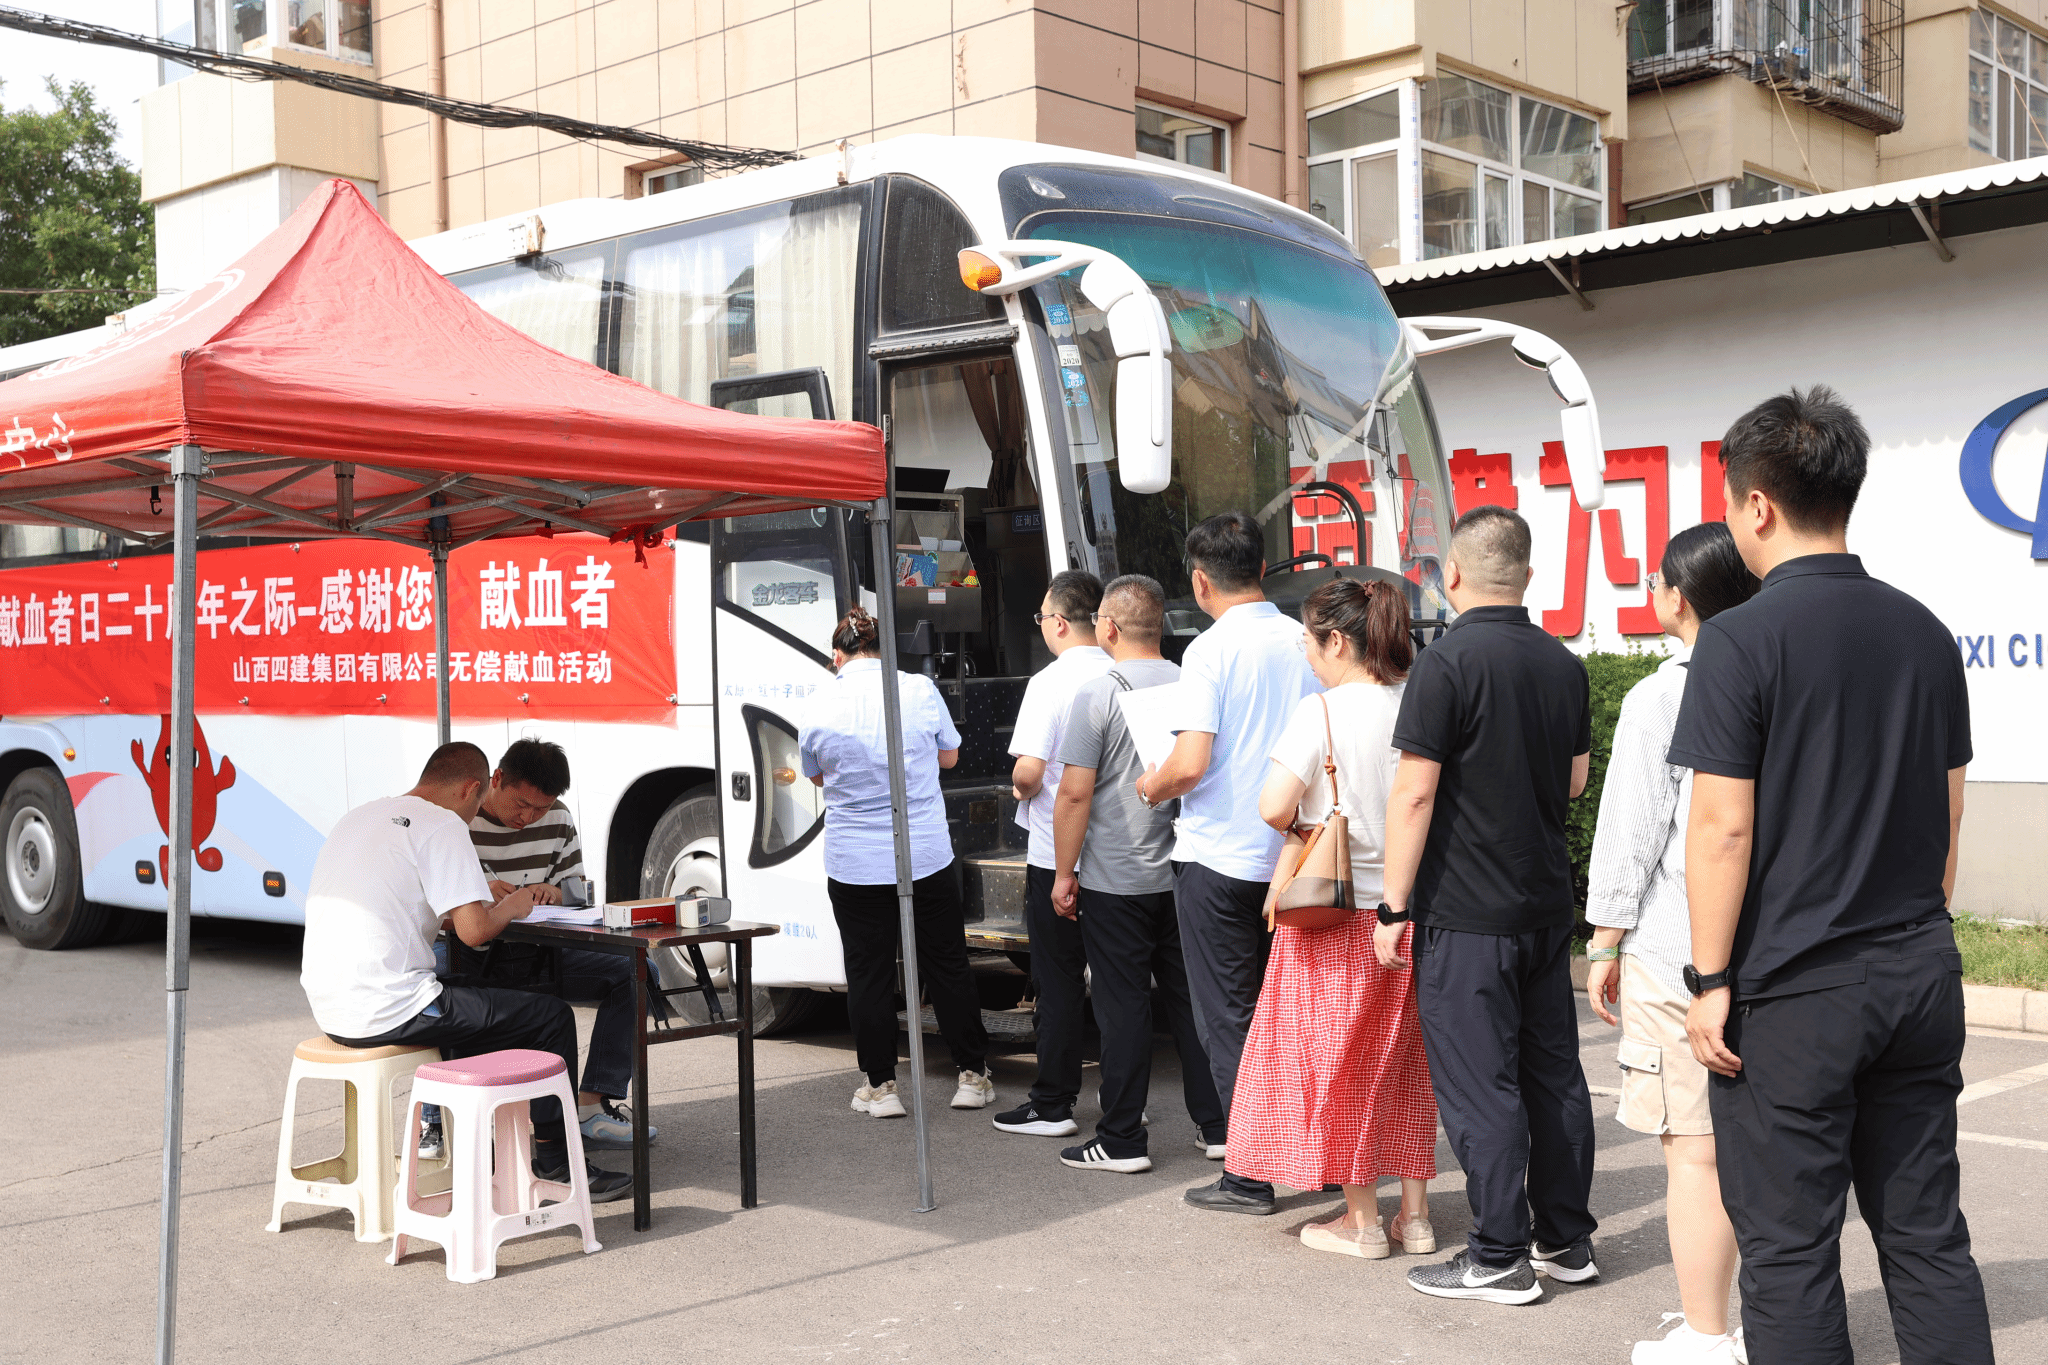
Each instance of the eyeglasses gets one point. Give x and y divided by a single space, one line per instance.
1655 580
1103 620
1041 617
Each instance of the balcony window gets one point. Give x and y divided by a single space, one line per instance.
1185 139
661 182
333 28
1752 189
1453 165
2008 99
1844 56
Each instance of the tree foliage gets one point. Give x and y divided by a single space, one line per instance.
1611 676
71 217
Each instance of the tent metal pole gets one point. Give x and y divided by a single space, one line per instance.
884 544
188 466
442 719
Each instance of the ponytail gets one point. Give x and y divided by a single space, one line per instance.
1373 615
857 635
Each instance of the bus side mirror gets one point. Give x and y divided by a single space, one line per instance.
1579 422
1138 335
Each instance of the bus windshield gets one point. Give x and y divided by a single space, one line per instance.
1279 350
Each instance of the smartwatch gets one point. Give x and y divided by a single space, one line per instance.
1387 916
1700 985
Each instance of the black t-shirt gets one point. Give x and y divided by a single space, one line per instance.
1843 699
1504 708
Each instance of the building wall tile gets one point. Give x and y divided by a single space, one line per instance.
937 124
762 53
913 82
1263 53
630 94
974 13
1220 88
1099 68
1113 16
831 33
554 51
1069 122
763 118
498 18
990 59
1166 73
1013 115
507 67
1220 32
462 25
1168 23
900 23
512 187
835 104
625 29
466 198
739 12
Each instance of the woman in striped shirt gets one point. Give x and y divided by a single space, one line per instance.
1643 938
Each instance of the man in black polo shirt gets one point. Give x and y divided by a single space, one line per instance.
1827 726
1494 733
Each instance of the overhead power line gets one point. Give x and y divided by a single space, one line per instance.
709 155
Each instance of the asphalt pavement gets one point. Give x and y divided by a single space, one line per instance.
1023 1260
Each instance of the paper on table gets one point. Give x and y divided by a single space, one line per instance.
565 914
1149 715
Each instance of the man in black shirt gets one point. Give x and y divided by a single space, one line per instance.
1495 732
1827 726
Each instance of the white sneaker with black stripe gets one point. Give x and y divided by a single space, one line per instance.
1570 1265
1458 1278
1093 1158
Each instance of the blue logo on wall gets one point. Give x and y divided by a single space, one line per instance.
1976 473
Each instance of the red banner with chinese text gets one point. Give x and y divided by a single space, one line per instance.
568 627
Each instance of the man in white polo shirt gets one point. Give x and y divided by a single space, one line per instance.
1240 681
390 874
1066 619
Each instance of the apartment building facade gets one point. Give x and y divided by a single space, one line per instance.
1421 128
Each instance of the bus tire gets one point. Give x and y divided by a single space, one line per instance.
42 889
684 854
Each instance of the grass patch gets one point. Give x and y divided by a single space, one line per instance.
1997 954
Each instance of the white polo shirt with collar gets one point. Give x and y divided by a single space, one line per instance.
1240 681
844 741
1041 721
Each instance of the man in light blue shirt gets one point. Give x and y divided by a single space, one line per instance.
1240 683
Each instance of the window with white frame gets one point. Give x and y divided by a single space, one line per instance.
1752 189
1184 139
2008 88
1453 165
333 28
1670 28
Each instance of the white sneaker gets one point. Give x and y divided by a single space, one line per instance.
1215 1151
977 1090
1683 1344
880 1101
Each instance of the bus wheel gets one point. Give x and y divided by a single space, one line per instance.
684 856
43 890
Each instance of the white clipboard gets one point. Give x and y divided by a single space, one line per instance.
1150 714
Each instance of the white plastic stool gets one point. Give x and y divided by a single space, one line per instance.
360 1178
484 1103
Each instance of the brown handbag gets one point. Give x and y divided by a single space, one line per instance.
1312 885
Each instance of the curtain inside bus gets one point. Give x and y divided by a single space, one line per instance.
556 300
749 293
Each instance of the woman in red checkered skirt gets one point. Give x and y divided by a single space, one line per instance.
1334 1086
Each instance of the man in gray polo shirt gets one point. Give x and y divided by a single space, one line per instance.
1112 869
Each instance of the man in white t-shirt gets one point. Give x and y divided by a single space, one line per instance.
1240 682
390 874
1067 621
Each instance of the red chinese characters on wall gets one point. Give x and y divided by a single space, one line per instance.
1323 525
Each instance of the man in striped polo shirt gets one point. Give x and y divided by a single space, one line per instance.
524 836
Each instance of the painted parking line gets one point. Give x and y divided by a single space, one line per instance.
1998 1085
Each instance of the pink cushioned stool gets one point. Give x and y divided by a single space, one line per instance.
484 1111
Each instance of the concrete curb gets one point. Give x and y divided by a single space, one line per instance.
2001 1007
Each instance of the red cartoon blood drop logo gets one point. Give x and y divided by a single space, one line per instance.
207 785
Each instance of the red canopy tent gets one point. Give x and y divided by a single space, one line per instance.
330 383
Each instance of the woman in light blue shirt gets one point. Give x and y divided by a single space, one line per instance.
845 750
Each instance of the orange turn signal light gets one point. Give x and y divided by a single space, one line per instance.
978 272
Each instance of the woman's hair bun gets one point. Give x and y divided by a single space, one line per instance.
857 633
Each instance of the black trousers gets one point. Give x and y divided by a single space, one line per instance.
1057 960
1223 935
1856 1083
870 937
468 1021
1500 1023
605 979
1133 941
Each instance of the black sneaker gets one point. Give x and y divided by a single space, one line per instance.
433 1146
1458 1278
1228 1201
1572 1264
1033 1122
1093 1158
605 1186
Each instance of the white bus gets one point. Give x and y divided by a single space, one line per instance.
830 287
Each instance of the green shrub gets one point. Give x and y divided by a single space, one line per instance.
1610 675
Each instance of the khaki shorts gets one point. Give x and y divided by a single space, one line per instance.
1663 1089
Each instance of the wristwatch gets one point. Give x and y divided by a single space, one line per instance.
1388 916
1700 985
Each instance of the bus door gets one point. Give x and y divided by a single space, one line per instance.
969 573
779 584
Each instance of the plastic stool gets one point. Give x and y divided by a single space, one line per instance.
360 1178
484 1104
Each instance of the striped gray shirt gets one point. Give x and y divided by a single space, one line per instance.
1636 880
545 851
